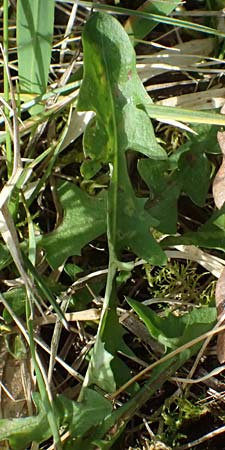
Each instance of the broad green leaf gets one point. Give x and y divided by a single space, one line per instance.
190 159
197 322
99 370
72 270
16 346
164 192
78 418
173 331
84 219
204 142
195 172
89 169
20 432
213 238
16 298
210 235
206 138
106 370
111 88
217 220
34 28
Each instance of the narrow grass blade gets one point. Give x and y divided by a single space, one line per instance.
9 156
154 17
184 115
138 28
35 21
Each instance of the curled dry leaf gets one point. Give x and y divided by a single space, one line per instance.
219 199
220 304
219 180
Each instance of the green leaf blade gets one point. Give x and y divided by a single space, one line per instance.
173 331
34 38
138 28
112 89
84 220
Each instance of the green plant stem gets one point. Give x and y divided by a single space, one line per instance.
9 156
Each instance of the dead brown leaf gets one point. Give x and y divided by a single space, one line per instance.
219 199
15 386
219 180
220 305
13 406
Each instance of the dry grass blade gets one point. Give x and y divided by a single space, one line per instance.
185 56
210 99
148 369
202 439
210 262
90 314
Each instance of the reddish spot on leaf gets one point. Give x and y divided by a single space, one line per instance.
190 158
